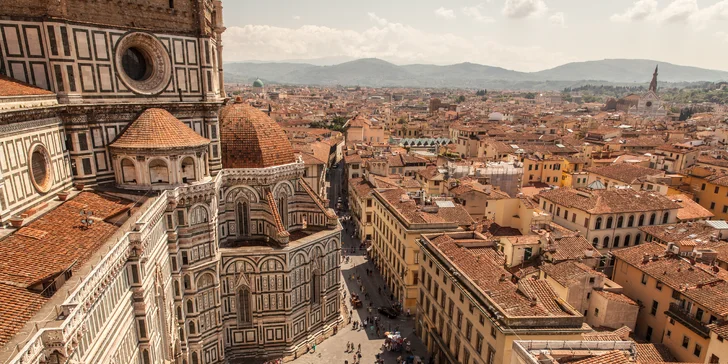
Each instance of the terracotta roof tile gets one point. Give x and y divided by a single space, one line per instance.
612 357
157 128
653 353
18 306
625 172
609 201
13 87
251 139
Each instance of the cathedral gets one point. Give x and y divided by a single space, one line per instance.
145 217
649 104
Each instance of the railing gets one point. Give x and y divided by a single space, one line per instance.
688 320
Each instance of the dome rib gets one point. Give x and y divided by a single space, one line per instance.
157 129
251 139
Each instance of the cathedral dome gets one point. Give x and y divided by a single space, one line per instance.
258 83
158 129
251 139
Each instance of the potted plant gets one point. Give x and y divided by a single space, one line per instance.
16 221
63 195
80 186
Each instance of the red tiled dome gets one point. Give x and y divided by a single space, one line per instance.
158 129
251 139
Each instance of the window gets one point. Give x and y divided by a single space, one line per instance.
620 221
653 310
466 356
566 214
714 359
605 242
699 314
637 239
658 285
712 205
716 189
616 242
630 222
245 312
702 188
479 344
626 240
609 222
644 278
459 322
591 280
469 330
652 218
82 142
492 332
685 342
666 216
642 220
596 312
558 211
668 333
595 242
598 224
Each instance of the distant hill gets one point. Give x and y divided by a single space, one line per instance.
374 72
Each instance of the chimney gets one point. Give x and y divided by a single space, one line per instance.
502 278
645 259
534 301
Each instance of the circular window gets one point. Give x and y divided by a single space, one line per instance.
649 103
135 64
143 64
40 168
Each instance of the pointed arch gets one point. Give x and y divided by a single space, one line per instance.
242 216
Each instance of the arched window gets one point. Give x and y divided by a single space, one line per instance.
315 286
190 307
158 171
198 215
630 222
620 221
598 224
145 356
243 214
181 334
610 220
652 218
176 287
665 217
245 307
616 242
128 171
194 358
626 240
641 220
191 326
188 170
187 284
179 313
638 239
605 242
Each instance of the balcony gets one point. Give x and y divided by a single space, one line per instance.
688 320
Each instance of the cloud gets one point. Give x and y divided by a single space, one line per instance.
475 13
722 36
445 13
518 9
395 42
296 17
677 11
558 19
638 11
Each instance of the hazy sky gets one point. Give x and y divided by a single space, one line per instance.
525 35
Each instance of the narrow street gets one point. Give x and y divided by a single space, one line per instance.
333 350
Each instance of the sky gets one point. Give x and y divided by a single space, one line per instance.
523 35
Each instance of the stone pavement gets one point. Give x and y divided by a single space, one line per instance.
333 349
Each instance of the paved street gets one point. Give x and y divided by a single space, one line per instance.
332 350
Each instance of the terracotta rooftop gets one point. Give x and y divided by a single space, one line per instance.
572 247
689 209
46 247
415 214
609 201
158 129
251 139
612 357
625 172
681 231
653 353
569 272
486 274
11 87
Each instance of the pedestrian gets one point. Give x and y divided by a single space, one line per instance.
314 347
347 346
359 348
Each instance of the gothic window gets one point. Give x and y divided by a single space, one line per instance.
245 309
190 308
187 283
315 286
145 355
191 327
243 214
198 215
194 358
283 210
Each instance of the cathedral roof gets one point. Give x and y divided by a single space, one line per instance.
251 139
158 129
12 87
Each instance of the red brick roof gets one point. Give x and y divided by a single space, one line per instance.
156 129
612 357
18 306
13 87
609 201
251 139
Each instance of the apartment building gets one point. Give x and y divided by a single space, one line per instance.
674 157
544 169
709 187
680 297
398 222
609 219
468 309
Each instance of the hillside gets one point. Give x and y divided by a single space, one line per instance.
374 72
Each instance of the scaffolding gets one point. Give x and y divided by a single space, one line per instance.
504 175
